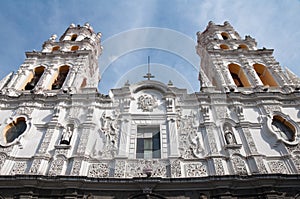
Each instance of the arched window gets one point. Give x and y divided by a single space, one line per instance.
74 48
264 75
243 46
238 76
224 47
74 37
38 72
13 130
283 128
225 35
62 74
55 48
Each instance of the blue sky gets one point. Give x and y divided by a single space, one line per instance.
25 25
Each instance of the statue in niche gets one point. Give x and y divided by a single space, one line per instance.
229 136
66 135
110 129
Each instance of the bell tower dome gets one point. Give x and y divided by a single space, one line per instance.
234 64
68 64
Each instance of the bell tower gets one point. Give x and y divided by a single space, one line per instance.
231 63
65 65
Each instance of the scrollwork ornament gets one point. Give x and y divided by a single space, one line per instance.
147 103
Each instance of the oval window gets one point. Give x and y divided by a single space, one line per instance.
13 130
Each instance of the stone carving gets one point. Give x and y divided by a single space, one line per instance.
229 136
18 168
260 165
239 165
23 111
135 168
98 170
219 169
221 112
293 148
56 167
205 112
35 166
239 111
277 167
3 157
47 138
66 135
189 142
147 103
76 168
249 139
83 141
119 169
296 161
195 170
211 139
110 128
11 92
175 169
272 108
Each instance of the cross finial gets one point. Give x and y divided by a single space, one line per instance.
149 75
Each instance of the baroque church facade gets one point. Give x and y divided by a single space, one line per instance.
238 137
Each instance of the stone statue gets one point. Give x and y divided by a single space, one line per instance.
229 137
66 136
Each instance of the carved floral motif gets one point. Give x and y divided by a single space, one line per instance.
76 168
239 165
98 170
119 168
18 168
219 166
35 166
195 169
175 169
56 166
277 166
136 168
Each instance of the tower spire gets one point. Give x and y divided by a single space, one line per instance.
149 75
